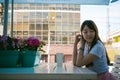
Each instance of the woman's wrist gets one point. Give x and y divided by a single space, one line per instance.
81 48
75 43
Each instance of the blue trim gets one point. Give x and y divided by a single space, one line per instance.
5 17
114 1
12 21
82 2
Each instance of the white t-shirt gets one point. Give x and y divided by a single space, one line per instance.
99 65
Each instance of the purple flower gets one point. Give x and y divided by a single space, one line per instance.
4 37
33 42
8 43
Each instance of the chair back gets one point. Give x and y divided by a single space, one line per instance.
116 67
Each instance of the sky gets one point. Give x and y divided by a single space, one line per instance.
99 14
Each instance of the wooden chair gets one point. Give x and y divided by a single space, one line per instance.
116 67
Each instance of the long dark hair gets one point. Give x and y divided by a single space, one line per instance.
93 26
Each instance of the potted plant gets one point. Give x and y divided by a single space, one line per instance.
8 51
28 50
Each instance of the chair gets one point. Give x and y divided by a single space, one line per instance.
116 67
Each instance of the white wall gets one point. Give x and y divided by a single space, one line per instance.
97 13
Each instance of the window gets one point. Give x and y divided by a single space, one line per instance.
32 27
38 27
19 32
32 33
45 26
25 32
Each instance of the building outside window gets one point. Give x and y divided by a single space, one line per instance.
62 21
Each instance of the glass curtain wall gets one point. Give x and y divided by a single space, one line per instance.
62 21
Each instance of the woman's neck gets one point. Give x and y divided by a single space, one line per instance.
89 45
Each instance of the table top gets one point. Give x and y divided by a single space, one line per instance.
48 71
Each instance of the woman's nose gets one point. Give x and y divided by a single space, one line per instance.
88 33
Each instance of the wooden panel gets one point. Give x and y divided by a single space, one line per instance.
116 67
48 71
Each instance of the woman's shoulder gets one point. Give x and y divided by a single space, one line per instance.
98 49
99 45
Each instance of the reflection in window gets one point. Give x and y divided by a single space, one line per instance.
19 32
32 27
52 32
45 7
52 27
19 20
58 27
52 38
15 27
25 27
71 15
14 32
65 27
19 15
58 7
58 38
65 20
45 38
32 20
32 15
25 37
71 20
39 37
64 40
45 21
58 42
77 15
71 37
26 7
25 32
45 33
45 14
38 33
45 26
65 15
38 22
25 20
38 27
58 15
64 6
38 15
31 32
38 7
64 37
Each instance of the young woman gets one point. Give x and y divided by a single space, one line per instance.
92 52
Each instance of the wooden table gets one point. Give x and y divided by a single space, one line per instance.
48 71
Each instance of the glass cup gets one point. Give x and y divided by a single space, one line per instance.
59 59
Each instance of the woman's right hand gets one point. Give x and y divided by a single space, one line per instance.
82 41
77 38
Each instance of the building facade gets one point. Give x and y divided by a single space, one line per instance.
56 24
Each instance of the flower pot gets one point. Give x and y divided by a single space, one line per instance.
9 58
28 58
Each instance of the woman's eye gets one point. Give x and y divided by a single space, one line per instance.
85 32
91 31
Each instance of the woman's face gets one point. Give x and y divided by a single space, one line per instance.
88 34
